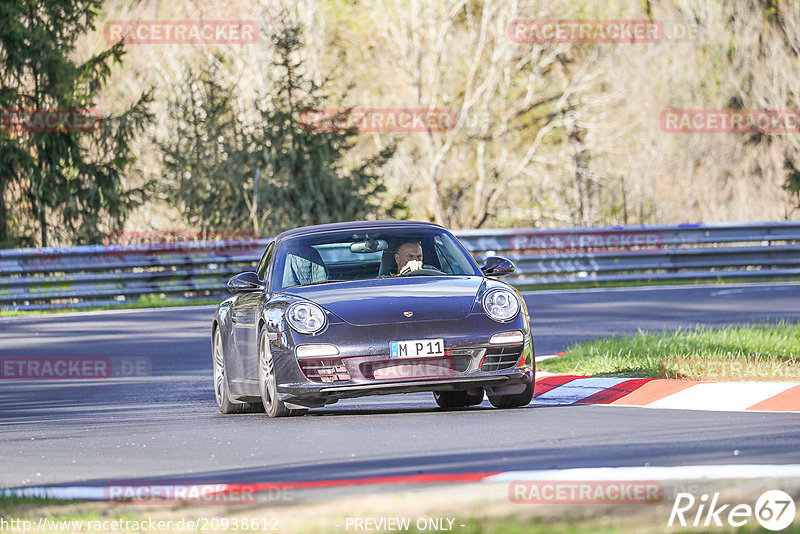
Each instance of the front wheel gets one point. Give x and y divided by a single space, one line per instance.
268 384
516 400
222 395
457 399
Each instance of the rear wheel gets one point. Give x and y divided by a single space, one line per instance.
268 384
516 400
221 393
457 399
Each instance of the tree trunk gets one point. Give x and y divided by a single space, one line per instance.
43 223
582 186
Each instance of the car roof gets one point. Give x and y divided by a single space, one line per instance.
356 225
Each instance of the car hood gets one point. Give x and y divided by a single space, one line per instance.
388 300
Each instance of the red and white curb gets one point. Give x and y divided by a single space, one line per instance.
563 390
634 473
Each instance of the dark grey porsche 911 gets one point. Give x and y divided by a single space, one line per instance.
368 308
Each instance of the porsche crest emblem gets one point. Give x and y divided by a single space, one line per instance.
408 313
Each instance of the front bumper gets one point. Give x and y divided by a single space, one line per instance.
319 395
470 362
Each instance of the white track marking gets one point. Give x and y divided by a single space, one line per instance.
99 313
576 390
91 493
680 472
722 396
659 288
548 357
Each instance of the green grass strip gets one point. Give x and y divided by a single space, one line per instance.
753 352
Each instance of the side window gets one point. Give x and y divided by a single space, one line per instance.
263 265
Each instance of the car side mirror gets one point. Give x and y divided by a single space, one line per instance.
497 266
244 282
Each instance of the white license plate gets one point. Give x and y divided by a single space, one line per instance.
416 347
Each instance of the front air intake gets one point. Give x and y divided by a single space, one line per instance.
325 370
500 358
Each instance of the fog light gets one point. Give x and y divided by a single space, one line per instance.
316 351
504 338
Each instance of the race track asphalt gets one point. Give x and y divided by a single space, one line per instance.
165 427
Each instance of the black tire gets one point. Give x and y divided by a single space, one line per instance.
267 383
513 401
222 394
457 399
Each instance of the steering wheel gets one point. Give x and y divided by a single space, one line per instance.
425 271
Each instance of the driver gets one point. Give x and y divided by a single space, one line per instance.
408 257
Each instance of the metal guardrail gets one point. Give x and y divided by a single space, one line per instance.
644 253
111 274
74 277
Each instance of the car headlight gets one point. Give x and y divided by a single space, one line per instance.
501 305
306 318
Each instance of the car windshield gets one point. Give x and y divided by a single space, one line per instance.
344 255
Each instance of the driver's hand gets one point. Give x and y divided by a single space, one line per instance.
413 265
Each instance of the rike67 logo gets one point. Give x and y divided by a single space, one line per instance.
774 510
